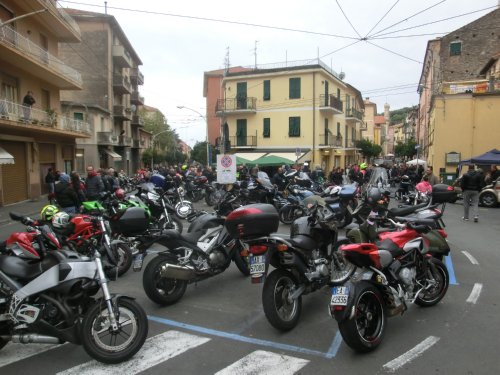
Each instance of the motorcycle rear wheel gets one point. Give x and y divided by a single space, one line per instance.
241 261
437 275
106 346
175 223
341 269
163 291
364 332
280 311
123 255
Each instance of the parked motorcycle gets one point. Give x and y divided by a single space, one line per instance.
388 279
162 211
50 297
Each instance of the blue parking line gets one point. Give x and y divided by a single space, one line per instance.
232 336
334 348
451 271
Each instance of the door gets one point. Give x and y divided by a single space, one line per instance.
14 176
241 132
241 95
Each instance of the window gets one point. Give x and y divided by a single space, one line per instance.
294 126
455 48
347 102
78 116
45 99
294 88
267 128
267 90
338 93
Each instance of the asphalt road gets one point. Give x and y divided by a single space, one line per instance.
219 326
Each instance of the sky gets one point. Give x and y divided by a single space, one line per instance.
378 44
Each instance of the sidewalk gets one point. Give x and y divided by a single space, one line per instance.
28 208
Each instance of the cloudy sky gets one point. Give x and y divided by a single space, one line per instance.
378 44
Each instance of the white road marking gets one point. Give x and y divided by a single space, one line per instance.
471 258
265 363
411 354
474 295
156 350
17 352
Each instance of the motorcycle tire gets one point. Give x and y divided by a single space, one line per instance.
183 209
280 312
341 269
488 200
123 255
197 195
175 223
163 291
287 214
437 275
106 346
241 262
365 331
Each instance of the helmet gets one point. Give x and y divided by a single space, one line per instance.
120 193
48 212
184 167
60 220
373 196
362 166
405 178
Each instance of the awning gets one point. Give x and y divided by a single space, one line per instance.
113 154
305 157
5 157
272 160
251 156
290 156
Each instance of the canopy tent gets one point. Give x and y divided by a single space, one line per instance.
490 157
271 160
417 161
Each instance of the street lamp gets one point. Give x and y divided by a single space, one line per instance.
153 146
209 156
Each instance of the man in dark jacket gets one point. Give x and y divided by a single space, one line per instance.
66 196
279 179
93 184
472 182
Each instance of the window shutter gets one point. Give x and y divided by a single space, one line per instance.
294 90
267 128
267 90
455 48
294 126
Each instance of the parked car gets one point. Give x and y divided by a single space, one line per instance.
490 195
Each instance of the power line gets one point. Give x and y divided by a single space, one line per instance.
380 20
347 18
395 53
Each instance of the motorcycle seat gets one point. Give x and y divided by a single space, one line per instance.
391 247
21 269
171 234
403 211
303 242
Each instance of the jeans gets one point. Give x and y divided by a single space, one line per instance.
471 199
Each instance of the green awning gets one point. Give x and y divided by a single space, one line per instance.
271 160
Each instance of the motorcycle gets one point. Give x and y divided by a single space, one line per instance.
49 297
388 279
306 262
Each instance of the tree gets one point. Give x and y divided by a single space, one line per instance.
199 152
368 148
398 116
406 149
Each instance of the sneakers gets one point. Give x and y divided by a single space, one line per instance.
465 219
476 219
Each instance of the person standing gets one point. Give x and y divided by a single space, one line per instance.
65 194
279 179
28 102
431 177
94 185
50 180
472 182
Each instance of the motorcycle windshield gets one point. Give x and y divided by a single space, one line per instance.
379 178
148 186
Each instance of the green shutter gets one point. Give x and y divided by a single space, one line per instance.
294 91
455 48
267 128
294 126
267 90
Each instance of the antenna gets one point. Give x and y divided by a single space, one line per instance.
255 53
226 60
106 7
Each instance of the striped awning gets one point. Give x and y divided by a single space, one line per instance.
5 157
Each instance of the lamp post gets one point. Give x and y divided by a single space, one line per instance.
209 156
153 146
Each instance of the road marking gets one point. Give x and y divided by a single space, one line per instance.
474 295
411 354
451 270
267 363
471 258
17 352
156 350
334 348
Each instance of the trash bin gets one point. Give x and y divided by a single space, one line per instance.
448 178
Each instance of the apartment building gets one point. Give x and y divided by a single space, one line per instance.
110 99
297 110
33 139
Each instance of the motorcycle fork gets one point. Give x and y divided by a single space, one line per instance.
105 290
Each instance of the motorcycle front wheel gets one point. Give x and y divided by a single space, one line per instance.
281 311
108 346
175 223
288 213
123 255
436 282
183 209
364 332
164 291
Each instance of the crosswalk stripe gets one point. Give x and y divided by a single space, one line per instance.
156 350
17 352
265 363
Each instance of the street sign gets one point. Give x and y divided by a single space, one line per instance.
226 169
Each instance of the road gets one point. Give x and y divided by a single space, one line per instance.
219 327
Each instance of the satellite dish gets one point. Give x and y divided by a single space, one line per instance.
342 75
133 107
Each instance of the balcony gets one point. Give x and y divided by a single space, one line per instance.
139 143
136 76
235 106
19 51
136 99
13 115
243 142
330 140
107 138
137 120
352 114
121 57
330 104
121 113
121 84
125 141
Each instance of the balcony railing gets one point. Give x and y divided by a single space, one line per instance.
107 138
330 140
120 112
137 120
13 39
70 22
136 98
248 141
238 105
121 84
330 102
125 141
136 76
352 113
48 119
121 56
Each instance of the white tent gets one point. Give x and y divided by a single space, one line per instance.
417 161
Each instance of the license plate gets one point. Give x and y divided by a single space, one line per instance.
340 294
137 262
257 264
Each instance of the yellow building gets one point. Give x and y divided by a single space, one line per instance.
302 107
34 139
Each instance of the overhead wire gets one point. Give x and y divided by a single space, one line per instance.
347 18
380 20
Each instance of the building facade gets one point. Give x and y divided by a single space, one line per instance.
302 110
34 139
110 99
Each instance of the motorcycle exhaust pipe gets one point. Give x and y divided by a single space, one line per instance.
34 339
173 271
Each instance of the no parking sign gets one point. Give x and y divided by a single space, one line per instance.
226 169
